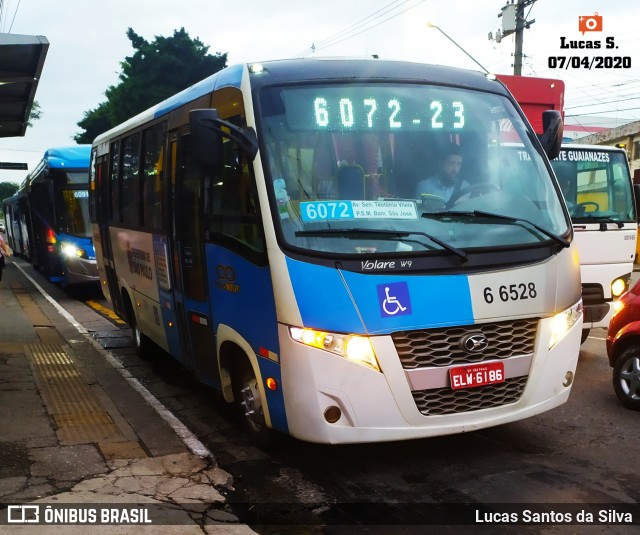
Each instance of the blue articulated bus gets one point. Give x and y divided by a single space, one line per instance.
264 227
48 217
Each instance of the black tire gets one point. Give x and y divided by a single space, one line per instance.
140 341
248 401
626 377
585 335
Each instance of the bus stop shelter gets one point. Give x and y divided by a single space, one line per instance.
21 62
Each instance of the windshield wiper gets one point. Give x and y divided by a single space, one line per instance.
600 219
480 213
371 233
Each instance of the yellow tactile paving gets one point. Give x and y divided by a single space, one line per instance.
121 450
74 406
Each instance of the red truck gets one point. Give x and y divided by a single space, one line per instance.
535 95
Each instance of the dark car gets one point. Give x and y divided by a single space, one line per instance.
623 347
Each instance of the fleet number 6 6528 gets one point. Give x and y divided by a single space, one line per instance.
511 292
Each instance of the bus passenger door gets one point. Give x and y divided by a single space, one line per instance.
104 195
189 263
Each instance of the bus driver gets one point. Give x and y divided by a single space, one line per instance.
443 184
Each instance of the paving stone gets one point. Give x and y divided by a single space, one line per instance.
67 463
10 485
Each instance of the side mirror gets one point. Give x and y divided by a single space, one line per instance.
208 130
205 139
551 139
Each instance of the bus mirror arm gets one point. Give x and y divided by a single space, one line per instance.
209 147
636 199
551 139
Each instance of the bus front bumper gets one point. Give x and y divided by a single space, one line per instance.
381 406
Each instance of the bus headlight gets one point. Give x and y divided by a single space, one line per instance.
618 287
353 347
72 251
563 321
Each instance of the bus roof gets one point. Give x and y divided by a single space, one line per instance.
314 69
72 157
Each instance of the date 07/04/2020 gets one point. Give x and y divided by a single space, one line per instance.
586 62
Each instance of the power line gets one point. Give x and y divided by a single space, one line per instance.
604 111
14 16
602 102
342 32
4 8
361 26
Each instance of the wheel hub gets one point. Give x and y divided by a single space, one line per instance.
252 406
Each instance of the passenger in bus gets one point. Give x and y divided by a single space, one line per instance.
447 179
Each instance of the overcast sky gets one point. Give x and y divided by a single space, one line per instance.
88 41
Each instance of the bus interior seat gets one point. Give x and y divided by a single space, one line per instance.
351 182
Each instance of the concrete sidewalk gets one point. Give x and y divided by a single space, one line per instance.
76 430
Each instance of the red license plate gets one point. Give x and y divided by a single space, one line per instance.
476 375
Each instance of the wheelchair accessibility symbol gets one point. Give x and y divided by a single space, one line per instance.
393 299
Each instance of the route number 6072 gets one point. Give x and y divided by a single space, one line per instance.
511 292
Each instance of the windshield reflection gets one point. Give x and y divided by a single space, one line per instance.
371 160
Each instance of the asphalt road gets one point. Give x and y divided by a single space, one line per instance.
583 452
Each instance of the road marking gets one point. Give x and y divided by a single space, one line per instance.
189 439
597 338
107 312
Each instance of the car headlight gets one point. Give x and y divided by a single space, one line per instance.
616 307
353 347
563 321
618 287
72 251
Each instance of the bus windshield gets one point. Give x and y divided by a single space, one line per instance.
74 215
404 167
596 184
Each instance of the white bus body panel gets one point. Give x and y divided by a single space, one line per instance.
604 257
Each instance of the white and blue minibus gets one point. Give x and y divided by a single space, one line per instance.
263 227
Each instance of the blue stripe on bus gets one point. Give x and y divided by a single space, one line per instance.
231 76
167 301
430 301
241 296
275 400
322 298
419 302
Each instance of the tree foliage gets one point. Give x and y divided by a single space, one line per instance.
35 113
155 71
7 189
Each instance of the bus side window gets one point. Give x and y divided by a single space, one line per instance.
131 180
152 171
231 203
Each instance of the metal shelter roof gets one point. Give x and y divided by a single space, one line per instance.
21 61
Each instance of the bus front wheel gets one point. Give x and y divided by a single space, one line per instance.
249 403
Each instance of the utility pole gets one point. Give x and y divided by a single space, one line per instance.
514 21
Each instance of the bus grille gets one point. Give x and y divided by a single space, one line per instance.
447 401
443 346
